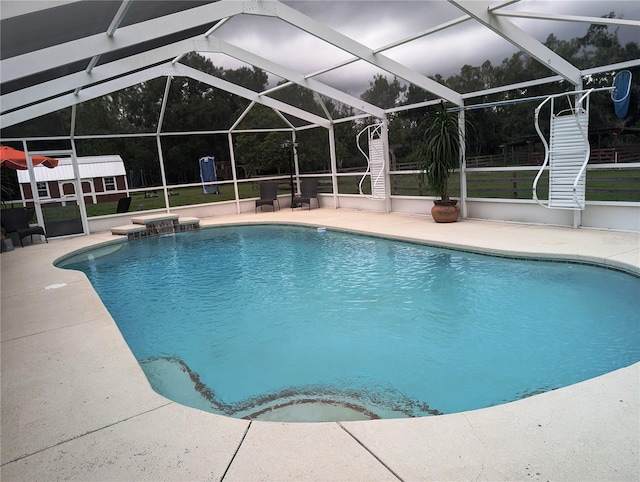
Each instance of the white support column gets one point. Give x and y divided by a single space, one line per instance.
232 156
334 165
61 191
294 150
126 183
159 144
162 174
34 185
577 218
77 182
92 185
233 153
24 204
463 164
577 213
385 152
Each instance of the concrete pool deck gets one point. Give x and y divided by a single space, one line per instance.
77 406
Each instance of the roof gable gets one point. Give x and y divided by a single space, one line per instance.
90 167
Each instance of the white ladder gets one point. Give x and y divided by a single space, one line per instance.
566 154
375 161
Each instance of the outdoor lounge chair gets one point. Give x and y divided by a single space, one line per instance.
16 220
268 195
123 205
308 191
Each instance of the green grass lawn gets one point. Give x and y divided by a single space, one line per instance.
177 197
194 195
602 185
614 185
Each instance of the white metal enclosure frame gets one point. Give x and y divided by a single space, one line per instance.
146 40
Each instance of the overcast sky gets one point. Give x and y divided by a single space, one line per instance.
379 23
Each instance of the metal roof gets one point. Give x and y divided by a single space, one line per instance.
89 168
59 53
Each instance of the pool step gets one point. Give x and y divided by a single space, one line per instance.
156 224
127 229
155 219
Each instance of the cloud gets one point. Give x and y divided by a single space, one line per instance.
376 24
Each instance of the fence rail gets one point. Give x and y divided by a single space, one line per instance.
609 155
603 184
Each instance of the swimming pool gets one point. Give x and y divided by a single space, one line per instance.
283 316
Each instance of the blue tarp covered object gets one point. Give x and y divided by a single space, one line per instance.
208 174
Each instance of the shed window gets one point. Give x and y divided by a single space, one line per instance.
109 183
43 189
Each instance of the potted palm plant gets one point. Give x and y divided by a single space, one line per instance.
438 155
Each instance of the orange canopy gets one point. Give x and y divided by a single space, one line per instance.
15 159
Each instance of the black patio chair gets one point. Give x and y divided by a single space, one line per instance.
16 220
123 205
308 191
268 195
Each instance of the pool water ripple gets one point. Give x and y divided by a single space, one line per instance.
239 320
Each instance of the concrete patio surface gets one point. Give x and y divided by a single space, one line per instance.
76 405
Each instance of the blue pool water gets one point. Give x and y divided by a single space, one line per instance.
242 320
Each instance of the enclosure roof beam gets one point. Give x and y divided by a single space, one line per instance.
100 73
397 43
347 44
119 17
105 88
497 6
85 48
295 77
513 87
78 80
519 38
570 18
69 99
183 70
629 64
115 23
424 33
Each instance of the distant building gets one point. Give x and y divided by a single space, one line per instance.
103 179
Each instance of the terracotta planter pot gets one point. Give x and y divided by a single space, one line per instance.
445 211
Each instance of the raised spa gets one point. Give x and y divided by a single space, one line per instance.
304 324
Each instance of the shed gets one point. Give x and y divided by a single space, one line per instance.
103 179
